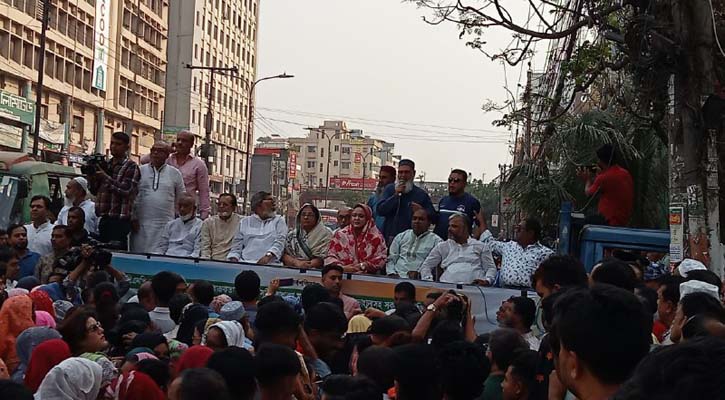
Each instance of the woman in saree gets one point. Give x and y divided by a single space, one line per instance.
308 243
359 247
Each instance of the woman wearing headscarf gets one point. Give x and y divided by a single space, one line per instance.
308 243
44 357
16 315
42 318
359 247
26 343
42 302
224 334
73 379
154 341
195 357
134 385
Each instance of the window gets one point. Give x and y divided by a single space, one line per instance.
337 148
311 149
346 150
322 152
311 164
321 166
345 165
335 163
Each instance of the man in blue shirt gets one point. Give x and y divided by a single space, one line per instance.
18 240
399 201
457 201
385 178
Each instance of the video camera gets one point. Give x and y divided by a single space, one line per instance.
93 163
99 258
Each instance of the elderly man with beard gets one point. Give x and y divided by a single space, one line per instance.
181 236
76 192
262 235
217 232
159 189
385 178
400 200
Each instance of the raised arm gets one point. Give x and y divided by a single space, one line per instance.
127 183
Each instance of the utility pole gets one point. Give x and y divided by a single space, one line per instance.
208 151
527 132
41 73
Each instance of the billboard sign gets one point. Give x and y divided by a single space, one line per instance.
353 183
17 108
101 40
293 165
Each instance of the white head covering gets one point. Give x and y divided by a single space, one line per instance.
687 265
73 379
83 182
699 286
233 331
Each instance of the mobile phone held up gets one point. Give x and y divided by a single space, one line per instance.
285 282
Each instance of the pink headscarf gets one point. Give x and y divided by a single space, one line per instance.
43 318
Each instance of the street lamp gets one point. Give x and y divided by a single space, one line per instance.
250 135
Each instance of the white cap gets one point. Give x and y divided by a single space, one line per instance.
690 287
688 264
83 182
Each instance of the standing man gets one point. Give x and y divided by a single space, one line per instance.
76 221
400 199
385 178
40 228
519 258
115 191
181 236
261 236
410 248
76 191
217 232
332 281
48 264
193 169
614 186
159 189
463 259
457 201
18 240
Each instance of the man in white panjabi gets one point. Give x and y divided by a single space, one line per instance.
76 195
181 236
159 189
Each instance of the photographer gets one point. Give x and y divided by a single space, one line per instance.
114 184
449 306
614 186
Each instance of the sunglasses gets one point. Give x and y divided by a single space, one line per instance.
454 180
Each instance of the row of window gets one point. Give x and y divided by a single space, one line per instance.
151 32
143 63
231 102
313 149
144 101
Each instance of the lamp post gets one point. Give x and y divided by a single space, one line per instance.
250 135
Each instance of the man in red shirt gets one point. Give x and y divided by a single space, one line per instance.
614 186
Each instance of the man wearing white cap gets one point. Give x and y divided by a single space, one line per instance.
76 192
687 265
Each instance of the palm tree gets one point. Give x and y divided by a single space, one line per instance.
538 187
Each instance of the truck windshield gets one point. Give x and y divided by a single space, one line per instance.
8 198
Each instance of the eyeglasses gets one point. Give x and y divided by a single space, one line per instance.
454 180
95 327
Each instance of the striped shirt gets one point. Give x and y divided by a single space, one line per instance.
114 196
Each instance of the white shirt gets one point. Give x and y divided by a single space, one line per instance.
161 317
155 205
532 340
517 263
257 237
180 238
39 238
89 208
460 263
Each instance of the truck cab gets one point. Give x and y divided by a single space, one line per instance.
591 243
21 178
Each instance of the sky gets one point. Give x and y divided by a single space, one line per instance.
391 74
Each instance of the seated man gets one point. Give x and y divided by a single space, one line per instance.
462 258
410 248
217 232
261 237
181 237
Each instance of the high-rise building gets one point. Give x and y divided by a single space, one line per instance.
352 159
213 33
105 66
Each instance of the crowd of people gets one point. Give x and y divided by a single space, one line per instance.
71 327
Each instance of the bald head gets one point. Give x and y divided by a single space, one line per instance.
159 153
184 142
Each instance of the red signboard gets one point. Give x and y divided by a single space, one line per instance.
293 165
353 183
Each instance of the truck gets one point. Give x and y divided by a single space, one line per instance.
21 178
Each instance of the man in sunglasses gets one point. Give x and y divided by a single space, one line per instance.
457 201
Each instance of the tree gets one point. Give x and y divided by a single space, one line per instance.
669 51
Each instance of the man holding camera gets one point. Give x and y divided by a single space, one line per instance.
614 186
115 188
